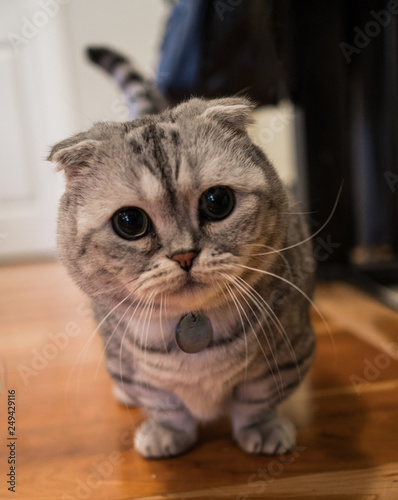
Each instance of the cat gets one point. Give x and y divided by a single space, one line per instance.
176 213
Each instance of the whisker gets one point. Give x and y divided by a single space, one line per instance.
86 348
276 321
299 213
144 323
161 322
110 337
317 231
238 308
273 250
242 291
148 321
113 288
298 289
225 296
122 340
261 304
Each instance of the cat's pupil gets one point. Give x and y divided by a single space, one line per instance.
216 203
131 223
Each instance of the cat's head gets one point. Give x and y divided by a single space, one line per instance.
165 208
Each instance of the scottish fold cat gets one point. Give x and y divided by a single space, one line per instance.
178 214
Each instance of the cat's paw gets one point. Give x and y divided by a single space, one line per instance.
275 436
153 440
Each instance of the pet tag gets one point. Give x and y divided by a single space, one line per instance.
194 332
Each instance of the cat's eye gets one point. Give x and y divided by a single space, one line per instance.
131 223
216 203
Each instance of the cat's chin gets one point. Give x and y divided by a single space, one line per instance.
192 297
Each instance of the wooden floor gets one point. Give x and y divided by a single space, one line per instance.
75 442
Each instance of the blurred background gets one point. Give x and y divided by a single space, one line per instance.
49 91
323 73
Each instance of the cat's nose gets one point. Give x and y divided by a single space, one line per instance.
185 259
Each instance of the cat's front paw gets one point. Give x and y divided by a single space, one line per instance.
154 440
275 436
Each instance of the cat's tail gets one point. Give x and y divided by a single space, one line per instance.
141 93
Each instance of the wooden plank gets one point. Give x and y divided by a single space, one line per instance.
371 483
72 434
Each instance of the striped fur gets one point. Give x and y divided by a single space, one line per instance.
142 96
252 277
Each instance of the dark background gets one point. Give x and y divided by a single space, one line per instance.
337 61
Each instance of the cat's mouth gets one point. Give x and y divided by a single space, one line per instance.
190 286
191 294
184 292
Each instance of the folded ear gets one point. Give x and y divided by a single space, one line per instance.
74 155
234 113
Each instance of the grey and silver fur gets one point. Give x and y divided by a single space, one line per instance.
248 275
141 93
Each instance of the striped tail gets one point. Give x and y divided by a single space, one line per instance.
142 96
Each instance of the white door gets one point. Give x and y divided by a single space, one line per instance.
34 94
48 91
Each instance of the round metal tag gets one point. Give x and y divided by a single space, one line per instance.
194 332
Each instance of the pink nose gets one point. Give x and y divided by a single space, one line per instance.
185 259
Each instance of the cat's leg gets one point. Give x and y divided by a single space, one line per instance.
170 429
257 427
